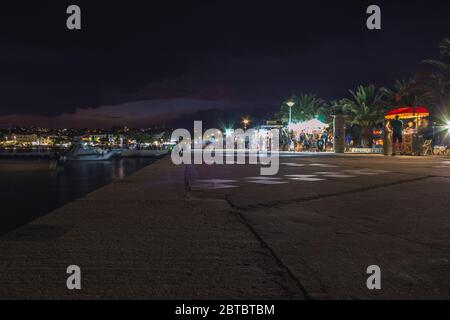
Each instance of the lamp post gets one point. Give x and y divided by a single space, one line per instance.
245 122
290 104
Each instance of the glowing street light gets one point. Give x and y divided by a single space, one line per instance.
448 125
290 104
245 122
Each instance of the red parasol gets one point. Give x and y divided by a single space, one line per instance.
408 112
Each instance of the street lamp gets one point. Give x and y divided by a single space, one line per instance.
245 122
290 104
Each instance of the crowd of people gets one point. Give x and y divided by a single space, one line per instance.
415 136
316 141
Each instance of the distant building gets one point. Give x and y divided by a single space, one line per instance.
26 138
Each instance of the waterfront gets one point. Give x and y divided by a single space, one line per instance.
310 232
29 190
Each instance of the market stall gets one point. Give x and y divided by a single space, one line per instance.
415 120
311 135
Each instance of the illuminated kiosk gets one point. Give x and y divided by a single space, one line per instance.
413 122
313 128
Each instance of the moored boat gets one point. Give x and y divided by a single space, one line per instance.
85 153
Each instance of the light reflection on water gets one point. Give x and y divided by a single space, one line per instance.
28 194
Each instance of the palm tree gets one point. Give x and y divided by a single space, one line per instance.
436 85
365 108
338 106
405 93
305 107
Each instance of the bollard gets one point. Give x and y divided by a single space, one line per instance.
339 133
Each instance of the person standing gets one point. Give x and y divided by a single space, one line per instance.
397 134
387 139
324 137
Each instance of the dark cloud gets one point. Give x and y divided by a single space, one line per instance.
238 52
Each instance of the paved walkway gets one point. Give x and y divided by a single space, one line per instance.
309 232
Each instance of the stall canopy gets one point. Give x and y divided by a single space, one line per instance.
408 112
308 126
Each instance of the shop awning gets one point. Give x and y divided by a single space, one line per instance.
308 126
408 112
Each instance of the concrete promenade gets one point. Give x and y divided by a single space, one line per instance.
308 233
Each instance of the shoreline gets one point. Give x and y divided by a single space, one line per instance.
31 189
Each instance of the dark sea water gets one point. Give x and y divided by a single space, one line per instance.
27 191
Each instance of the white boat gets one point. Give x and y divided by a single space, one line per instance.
84 153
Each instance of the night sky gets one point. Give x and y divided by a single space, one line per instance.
141 63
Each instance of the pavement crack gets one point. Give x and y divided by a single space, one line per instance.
277 259
432 245
271 204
